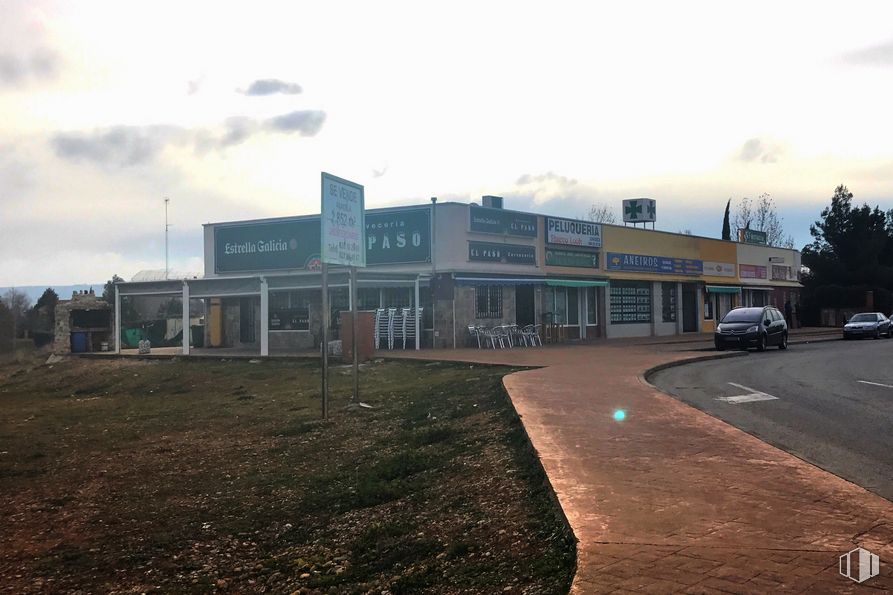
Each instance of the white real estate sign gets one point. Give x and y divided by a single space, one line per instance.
343 222
570 232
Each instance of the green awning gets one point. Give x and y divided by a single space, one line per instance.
722 289
575 283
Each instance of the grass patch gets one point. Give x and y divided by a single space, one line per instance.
188 472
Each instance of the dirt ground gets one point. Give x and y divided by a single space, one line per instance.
130 476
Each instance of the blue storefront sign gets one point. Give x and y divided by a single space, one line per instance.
641 263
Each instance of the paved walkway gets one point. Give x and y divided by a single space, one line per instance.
673 500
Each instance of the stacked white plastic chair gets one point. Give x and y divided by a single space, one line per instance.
381 327
409 318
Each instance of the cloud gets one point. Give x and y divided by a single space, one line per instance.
756 149
876 55
307 122
377 173
546 178
37 65
127 146
271 87
119 146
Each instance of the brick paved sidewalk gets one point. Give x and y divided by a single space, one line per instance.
673 500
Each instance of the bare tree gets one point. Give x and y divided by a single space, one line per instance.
18 304
601 213
762 215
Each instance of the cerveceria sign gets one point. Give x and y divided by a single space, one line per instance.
392 237
508 253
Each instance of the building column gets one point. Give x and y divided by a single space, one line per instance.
117 320
186 330
264 317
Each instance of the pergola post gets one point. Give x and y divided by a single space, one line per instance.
264 317
186 330
117 320
418 336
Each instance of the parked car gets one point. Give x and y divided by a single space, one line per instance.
867 324
751 327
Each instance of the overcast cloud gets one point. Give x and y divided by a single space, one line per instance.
875 55
272 87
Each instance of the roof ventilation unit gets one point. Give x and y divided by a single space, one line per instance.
494 202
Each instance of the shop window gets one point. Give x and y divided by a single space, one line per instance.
591 306
573 306
564 304
488 301
708 306
668 301
368 298
630 302
398 297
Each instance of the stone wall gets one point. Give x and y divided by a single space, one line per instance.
80 301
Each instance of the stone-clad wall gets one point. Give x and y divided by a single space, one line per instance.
64 308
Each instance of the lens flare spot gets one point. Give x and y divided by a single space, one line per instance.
619 415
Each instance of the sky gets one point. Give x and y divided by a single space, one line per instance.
232 109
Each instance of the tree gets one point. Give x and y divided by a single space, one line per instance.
108 290
763 216
726 229
18 304
601 213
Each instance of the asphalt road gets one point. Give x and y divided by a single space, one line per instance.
825 409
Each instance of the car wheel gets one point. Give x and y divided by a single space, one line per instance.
877 334
719 347
761 343
784 342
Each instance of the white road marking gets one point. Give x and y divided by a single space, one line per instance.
752 396
875 383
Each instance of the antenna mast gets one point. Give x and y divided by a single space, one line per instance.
166 226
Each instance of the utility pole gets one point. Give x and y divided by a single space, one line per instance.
167 268
12 302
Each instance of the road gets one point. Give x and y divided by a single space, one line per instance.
828 403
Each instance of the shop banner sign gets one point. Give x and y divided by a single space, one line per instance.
640 263
506 253
392 237
719 269
570 232
571 258
751 271
290 319
282 245
781 272
487 220
398 237
343 223
753 236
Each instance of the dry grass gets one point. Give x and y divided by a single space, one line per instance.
192 476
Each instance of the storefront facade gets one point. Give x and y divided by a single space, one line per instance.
468 265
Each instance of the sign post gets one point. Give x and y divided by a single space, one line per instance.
343 242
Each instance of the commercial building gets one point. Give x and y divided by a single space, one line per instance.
466 264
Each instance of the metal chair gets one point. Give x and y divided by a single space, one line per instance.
392 323
475 333
381 326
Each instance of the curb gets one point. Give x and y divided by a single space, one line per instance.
644 376
798 342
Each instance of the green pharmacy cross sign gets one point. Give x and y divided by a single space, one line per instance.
639 210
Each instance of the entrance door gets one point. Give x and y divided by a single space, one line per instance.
524 307
246 320
689 308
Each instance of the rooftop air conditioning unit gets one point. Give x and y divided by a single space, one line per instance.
494 202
